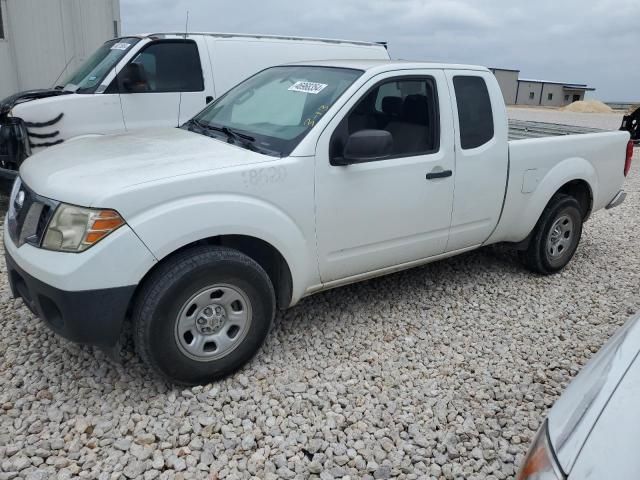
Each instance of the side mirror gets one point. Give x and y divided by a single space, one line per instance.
133 79
366 146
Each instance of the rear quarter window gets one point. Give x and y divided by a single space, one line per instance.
474 111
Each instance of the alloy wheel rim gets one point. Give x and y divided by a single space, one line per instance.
213 322
560 237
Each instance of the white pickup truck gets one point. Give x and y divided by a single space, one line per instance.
302 178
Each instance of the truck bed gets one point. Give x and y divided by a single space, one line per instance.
521 129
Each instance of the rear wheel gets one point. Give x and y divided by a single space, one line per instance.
556 236
203 314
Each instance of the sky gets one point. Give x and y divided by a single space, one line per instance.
575 41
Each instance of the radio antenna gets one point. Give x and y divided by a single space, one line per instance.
186 25
63 70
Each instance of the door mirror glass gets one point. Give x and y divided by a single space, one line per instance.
367 146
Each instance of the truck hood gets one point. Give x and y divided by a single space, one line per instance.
572 418
85 170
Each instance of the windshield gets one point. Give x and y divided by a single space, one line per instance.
273 110
89 75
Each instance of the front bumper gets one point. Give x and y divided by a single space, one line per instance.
14 146
81 296
91 317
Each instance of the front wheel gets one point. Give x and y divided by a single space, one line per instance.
556 236
203 314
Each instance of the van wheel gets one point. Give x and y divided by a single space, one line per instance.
203 314
556 236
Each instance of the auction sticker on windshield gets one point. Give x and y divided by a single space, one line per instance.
120 46
308 87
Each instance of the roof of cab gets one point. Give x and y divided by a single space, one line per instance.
384 65
260 36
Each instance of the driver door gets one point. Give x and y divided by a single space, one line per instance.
151 84
379 214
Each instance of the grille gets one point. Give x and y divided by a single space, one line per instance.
28 215
14 143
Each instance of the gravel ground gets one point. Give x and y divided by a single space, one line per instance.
444 371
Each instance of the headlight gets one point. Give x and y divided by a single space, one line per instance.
540 463
74 229
17 183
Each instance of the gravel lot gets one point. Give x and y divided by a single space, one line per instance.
443 371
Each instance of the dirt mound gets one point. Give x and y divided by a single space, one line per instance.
588 106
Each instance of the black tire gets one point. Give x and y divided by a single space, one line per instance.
170 287
539 257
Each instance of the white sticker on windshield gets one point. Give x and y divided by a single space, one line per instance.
120 46
308 87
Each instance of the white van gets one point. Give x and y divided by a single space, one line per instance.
150 80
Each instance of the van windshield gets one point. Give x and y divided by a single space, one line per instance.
87 77
272 111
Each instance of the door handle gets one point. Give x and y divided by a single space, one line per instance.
209 99
440 174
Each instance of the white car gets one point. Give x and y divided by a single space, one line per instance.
592 431
150 80
302 178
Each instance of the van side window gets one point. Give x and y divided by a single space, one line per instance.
406 108
474 111
166 66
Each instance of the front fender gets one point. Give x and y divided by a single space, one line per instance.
529 193
59 118
166 228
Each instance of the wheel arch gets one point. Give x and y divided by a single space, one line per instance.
573 176
578 189
262 252
522 210
252 225
582 192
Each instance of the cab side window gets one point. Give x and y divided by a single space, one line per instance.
406 108
474 111
166 66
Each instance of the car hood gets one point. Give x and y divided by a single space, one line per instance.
574 415
15 100
84 170
611 451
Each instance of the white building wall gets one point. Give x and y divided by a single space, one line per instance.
45 36
8 78
508 81
557 95
525 89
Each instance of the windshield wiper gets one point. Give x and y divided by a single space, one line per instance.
233 135
197 123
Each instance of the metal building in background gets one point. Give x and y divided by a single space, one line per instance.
41 40
546 93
